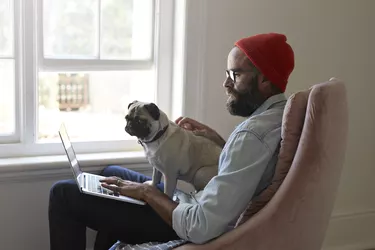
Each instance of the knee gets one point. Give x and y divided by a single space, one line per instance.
60 190
112 170
123 173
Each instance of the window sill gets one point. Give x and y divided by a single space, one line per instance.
47 167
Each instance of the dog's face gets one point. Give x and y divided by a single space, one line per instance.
144 120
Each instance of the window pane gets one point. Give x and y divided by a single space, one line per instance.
6 28
126 29
117 28
7 95
92 105
70 28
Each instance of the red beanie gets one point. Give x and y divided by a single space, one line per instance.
271 55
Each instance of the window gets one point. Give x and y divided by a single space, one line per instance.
7 71
80 62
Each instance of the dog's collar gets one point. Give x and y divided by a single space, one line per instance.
156 137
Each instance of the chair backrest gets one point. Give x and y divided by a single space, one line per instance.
298 214
291 130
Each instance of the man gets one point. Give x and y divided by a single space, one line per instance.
258 69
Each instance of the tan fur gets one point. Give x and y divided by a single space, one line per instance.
180 155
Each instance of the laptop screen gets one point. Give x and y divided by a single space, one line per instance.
69 151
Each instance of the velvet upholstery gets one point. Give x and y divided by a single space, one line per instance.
294 213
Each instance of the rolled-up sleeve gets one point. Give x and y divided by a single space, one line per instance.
242 164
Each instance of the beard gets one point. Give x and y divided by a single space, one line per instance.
245 103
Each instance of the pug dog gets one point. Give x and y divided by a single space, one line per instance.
172 151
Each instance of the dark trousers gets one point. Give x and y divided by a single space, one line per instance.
71 211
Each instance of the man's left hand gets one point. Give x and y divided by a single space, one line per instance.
160 202
127 188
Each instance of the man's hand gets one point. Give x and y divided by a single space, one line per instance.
200 129
191 124
127 188
160 202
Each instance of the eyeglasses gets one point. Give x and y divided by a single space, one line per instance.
232 74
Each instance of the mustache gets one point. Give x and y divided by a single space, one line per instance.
235 93
231 91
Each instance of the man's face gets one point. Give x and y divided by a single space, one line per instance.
244 96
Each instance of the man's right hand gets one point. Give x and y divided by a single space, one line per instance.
200 129
191 124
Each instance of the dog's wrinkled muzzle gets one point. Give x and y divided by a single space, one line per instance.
139 129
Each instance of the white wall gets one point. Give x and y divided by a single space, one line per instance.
330 38
24 205
24 217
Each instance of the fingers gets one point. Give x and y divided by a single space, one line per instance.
189 124
112 183
179 119
183 122
111 187
113 180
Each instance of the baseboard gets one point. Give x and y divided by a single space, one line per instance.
363 246
351 231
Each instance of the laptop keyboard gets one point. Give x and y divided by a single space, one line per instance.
94 185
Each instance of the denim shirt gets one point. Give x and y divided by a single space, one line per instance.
246 167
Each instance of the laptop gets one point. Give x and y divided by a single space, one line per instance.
89 183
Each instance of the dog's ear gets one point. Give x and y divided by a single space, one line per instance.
131 104
153 110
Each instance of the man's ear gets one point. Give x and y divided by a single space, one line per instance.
265 86
153 110
131 104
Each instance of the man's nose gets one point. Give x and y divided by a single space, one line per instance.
228 83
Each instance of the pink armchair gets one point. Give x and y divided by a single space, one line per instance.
300 206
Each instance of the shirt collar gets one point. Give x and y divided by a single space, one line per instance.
270 102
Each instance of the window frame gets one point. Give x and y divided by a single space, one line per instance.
92 64
27 44
16 57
